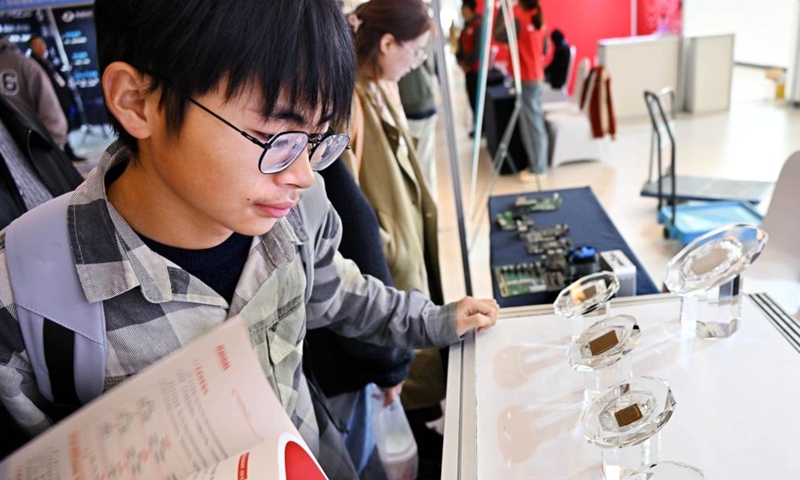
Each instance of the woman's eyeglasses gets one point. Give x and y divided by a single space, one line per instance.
418 54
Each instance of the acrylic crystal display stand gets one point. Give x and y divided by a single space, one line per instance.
666 471
601 353
706 273
588 294
624 422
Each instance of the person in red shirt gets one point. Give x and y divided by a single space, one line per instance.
532 41
468 54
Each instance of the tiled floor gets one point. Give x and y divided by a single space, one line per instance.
751 141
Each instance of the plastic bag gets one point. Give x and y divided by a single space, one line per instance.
397 448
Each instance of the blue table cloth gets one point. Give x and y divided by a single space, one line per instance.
589 224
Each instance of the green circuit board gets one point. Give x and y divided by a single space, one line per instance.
531 277
509 221
526 203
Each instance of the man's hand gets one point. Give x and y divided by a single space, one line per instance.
473 313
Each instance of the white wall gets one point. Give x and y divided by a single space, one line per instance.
763 28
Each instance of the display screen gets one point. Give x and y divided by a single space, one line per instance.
31 4
76 28
19 25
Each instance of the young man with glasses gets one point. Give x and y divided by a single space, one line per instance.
207 206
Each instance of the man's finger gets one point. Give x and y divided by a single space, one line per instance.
489 308
479 320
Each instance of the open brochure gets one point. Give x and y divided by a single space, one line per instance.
206 412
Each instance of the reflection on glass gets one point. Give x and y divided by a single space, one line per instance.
666 471
523 429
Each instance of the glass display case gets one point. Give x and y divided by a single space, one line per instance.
601 351
585 296
707 274
623 422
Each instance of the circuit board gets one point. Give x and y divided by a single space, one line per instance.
509 221
544 246
538 204
555 261
549 272
532 277
540 240
513 281
545 233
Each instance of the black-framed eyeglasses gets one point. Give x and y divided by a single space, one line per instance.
282 149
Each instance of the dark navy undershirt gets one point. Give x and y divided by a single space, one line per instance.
218 267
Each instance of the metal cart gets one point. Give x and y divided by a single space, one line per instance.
727 201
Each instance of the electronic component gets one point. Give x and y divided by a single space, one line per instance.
527 277
617 262
504 221
628 415
539 240
509 221
546 233
538 204
603 343
538 248
582 261
554 261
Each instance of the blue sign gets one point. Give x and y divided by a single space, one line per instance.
31 4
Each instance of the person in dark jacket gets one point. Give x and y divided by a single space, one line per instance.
556 72
64 86
342 366
24 83
33 169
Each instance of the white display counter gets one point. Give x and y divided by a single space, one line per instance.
514 405
708 73
637 64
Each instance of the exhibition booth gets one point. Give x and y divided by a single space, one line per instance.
601 366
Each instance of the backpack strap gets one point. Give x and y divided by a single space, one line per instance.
65 335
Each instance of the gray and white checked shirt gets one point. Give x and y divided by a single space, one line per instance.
153 307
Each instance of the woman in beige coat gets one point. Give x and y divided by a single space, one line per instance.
390 39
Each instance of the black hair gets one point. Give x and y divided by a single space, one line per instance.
538 16
469 4
298 48
557 36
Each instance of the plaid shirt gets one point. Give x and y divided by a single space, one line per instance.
153 307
